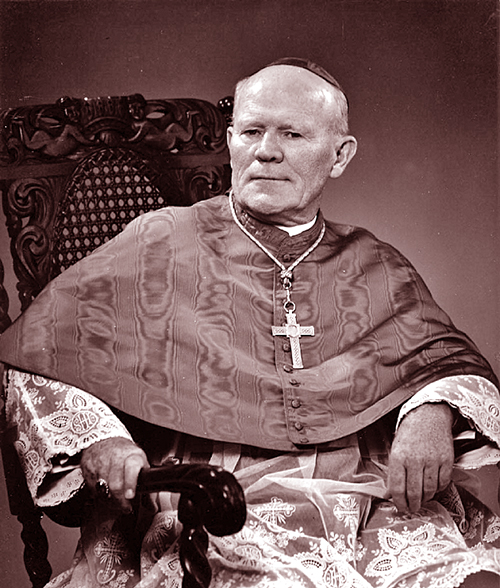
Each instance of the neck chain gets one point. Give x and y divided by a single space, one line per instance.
291 329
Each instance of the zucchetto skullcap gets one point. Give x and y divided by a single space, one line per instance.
309 65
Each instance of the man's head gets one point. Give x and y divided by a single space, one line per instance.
289 135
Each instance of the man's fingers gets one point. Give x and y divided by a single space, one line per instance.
445 473
397 486
117 461
132 467
122 480
411 486
415 480
430 483
115 484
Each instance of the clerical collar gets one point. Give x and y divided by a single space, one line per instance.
297 229
275 237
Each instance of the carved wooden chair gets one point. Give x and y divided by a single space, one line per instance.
72 175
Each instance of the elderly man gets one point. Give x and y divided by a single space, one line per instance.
305 356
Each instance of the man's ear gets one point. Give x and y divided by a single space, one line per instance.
345 151
229 135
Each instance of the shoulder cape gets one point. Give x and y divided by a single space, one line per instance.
171 322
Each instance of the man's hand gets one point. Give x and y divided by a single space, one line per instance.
422 456
118 461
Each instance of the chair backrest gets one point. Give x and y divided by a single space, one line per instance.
72 175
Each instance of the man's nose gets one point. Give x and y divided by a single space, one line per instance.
269 148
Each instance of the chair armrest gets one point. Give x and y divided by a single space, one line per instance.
211 499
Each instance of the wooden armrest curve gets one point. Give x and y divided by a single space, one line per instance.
211 499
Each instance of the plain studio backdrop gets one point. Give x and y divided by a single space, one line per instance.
421 77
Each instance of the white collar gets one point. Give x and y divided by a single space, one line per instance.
297 229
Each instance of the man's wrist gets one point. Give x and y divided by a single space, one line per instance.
432 410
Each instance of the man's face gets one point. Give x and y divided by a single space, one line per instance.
282 144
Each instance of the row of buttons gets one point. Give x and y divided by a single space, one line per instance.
296 403
289 369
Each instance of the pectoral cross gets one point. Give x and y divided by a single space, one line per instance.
293 331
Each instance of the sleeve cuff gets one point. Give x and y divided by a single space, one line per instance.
53 422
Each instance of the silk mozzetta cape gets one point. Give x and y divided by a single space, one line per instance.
171 322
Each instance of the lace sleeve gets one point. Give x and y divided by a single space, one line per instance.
54 422
478 400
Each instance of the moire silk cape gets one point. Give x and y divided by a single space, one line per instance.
171 321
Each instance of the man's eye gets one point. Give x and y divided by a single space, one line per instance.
293 135
251 132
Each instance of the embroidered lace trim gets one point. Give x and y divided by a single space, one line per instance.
53 427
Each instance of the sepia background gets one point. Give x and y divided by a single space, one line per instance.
421 77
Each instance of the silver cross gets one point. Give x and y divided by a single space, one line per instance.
293 331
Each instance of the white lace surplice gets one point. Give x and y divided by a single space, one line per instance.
303 528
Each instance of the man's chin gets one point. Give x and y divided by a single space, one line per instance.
261 202
269 196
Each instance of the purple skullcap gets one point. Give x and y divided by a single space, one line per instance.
309 65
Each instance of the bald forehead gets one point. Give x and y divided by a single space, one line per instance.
293 85
283 79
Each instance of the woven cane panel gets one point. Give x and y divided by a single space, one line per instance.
105 193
